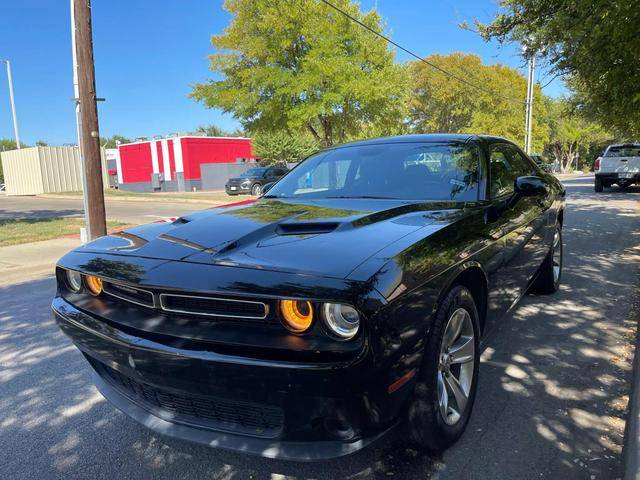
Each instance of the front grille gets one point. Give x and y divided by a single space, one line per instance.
205 412
212 306
129 293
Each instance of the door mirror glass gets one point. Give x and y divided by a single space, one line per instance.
530 186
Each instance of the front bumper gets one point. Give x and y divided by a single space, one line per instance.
237 189
274 409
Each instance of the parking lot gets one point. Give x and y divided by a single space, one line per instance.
551 402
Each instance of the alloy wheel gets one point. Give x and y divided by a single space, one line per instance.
557 255
456 366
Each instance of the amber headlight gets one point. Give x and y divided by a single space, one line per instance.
342 320
74 281
93 284
297 315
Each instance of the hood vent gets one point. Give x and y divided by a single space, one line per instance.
306 228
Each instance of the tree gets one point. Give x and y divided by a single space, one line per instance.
41 143
573 136
594 43
113 141
439 103
293 65
283 147
5 145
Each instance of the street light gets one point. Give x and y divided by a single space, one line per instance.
13 106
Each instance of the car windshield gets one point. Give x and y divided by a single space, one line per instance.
254 172
624 151
408 171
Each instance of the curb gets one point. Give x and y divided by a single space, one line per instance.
631 448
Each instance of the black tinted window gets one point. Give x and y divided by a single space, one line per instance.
408 171
506 164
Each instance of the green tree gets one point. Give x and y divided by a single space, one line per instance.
212 130
283 147
595 43
293 65
41 143
6 144
574 137
113 141
439 103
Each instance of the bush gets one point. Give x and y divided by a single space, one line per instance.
283 147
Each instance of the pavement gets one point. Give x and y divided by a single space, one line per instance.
551 403
135 212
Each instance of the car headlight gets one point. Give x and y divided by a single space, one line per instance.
93 284
342 320
74 281
297 315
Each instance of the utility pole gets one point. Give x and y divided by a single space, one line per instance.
529 103
13 105
87 114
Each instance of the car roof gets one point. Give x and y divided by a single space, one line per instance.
629 144
424 138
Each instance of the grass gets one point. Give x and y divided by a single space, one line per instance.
219 197
13 232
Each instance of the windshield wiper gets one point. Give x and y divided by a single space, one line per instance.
274 196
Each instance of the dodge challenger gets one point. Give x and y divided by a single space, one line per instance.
350 300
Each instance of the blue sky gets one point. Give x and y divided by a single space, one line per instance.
148 53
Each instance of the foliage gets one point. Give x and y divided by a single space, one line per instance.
113 141
41 143
283 147
439 103
212 130
6 144
574 137
293 65
595 43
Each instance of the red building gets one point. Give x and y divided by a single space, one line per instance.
174 164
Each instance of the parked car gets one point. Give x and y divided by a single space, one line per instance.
619 164
253 180
541 161
349 299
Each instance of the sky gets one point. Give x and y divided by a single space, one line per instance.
148 54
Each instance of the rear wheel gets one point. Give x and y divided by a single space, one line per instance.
599 187
548 279
446 388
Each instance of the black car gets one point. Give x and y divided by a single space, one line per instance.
350 299
253 180
541 161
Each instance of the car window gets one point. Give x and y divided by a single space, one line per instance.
506 164
411 171
624 151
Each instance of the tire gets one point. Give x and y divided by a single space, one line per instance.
598 187
427 428
256 189
548 279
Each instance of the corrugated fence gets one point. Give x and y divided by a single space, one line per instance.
35 170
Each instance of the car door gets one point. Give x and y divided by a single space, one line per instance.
518 223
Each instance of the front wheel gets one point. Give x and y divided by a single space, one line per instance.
446 388
256 190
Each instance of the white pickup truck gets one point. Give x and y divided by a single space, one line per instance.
620 164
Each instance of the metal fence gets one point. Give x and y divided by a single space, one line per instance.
36 170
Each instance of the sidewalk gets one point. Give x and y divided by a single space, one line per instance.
31 260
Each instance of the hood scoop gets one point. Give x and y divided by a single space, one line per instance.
306 228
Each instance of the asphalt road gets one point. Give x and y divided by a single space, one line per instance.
551 399
124 211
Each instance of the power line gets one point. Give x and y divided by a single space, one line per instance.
418 57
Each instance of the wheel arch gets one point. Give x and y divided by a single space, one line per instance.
472 276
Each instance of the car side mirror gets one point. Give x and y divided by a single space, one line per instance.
267 187
530 186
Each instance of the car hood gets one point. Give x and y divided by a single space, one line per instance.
329 237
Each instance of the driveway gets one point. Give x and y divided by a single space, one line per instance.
551 399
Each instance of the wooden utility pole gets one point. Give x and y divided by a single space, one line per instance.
88 129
